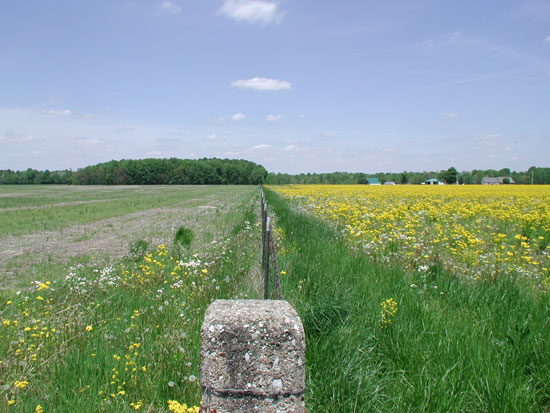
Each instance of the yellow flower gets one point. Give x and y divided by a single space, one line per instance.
39 409
40 298
389 310
20 384
42 286
10 402
89 328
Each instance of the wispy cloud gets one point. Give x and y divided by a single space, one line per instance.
12 137
450 115
261 147
238 116
86 141
273 118
262 83
65 113
290 148
547 40
252 11
170 7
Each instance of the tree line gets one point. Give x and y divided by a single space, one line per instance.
209 171
532 175
150 171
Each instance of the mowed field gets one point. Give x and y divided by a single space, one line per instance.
419 298
100 307
43 228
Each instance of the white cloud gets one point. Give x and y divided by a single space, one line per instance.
89 141
290 148
170 7
58 112
262 83
261 147
211 137
451 115
238 116
273 118
252 11
12 137
547 40
491 137
65 113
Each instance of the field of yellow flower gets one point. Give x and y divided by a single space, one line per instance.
389 284
476 232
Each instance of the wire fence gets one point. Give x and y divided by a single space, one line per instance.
272 278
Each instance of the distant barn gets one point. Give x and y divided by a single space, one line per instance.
499 180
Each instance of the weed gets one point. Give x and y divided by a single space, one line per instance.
184 236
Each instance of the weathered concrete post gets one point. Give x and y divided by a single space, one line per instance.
253 357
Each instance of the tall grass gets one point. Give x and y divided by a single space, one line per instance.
452 345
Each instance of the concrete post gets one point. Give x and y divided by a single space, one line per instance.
253 357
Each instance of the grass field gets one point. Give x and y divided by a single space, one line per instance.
395 318
117 329
44 229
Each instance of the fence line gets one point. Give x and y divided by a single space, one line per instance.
268 250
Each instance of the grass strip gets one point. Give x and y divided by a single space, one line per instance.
380 338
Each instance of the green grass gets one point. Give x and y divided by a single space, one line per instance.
124 332
452 346
31 211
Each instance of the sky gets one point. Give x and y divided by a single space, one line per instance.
294 85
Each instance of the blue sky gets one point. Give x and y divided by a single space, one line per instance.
295 85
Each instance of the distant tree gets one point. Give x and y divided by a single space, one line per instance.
466 178
449 176
362 179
